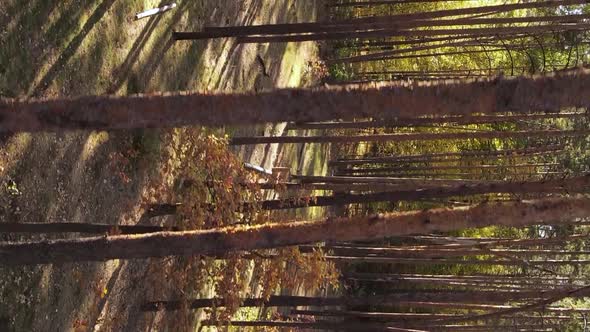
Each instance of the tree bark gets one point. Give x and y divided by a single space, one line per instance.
523 95
222 241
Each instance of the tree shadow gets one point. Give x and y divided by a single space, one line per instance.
121 73
71 48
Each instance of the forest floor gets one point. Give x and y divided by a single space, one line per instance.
73 47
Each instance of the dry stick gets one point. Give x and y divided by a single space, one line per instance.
222 241
522 95
408 122
404 137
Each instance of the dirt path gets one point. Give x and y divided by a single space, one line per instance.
75 47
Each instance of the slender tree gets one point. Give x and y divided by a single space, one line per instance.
403 137
409 122
221 241
577 184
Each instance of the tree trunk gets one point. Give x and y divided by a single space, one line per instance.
523 95
404 137
434 261
358 25
388 32
400 20
409 122
558 296
536 151
311 179
365 228
434 252
395 299
495 168
572 185
402 316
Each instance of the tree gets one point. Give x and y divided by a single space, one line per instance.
577 184
521 95
221 241
403 137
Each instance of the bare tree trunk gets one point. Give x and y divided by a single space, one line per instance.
395 299
523 95
403 316
433 261
572 185
542 303
403 137
536 151
358 25
409 122
221 241
349 171
310 179
322 325
438 252
389 32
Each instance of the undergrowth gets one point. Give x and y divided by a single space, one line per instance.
210 183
